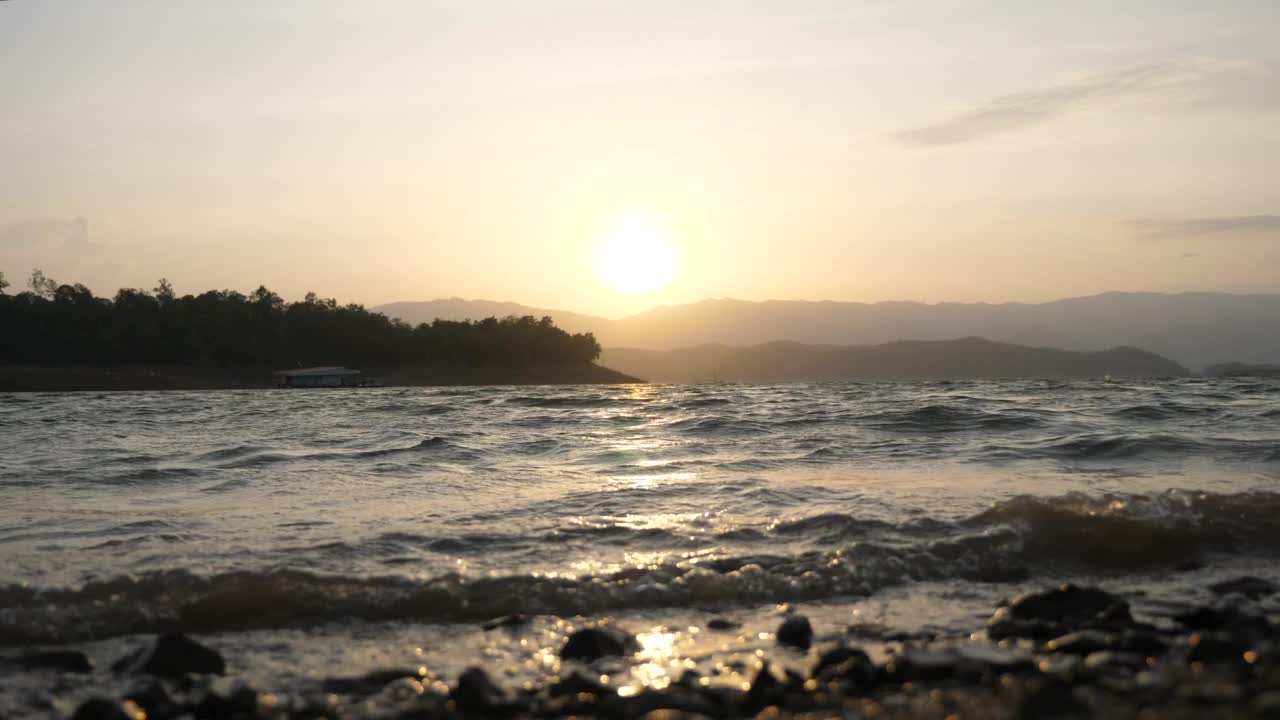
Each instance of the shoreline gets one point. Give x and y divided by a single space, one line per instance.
1062 651
104 378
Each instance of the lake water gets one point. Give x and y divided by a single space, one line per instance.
308 530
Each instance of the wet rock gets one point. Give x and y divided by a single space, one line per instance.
1217 647
795 632
243 702
831 663
595 643
369 683
476 693
103 709
173 655
1058 612
1249 586
509 622
72 661
766 690
577 683
722 624
674 702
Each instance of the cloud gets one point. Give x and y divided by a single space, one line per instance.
65 236
1207 226
1013 112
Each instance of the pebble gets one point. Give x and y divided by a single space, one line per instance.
598 642
795 632
173 655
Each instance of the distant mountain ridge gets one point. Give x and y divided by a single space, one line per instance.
962 359
1193 329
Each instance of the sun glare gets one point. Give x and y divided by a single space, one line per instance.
636 254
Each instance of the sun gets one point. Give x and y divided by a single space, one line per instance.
636 253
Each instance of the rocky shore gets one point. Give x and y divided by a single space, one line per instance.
1063 652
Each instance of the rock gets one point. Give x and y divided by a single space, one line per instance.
1059 612
722 624
576 683
831 661
1073 605
766 689
510 622
72 661
103 709
369 683
476 693
795 632
174 655
1217 647
598 642
1249 586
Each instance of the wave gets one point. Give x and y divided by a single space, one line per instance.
947 418
838 555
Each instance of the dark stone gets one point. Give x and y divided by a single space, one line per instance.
795 632
766 690
1251 587
1217 647
832 663
242 703
1058 612
72 661
476 693
594 643
510 622
1072 605
368 684
174 655
722 624
103 709
576 683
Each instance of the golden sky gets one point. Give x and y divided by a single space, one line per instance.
830 149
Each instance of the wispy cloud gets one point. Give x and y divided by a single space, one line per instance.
1013 112
1208 226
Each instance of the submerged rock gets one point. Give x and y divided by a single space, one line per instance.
173 655
598 642
722 624
795 632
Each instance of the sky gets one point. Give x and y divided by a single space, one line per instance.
867 150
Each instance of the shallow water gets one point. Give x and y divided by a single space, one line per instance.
357 511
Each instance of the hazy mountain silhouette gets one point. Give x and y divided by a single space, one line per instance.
966 358
1194 329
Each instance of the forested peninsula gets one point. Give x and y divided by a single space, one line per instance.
63 337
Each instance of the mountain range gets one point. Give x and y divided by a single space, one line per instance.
1193 329
965 358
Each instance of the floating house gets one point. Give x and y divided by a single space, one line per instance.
319 377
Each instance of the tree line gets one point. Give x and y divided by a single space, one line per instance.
52 323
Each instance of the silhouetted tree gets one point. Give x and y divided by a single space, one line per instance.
3 283
42 286
67 324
